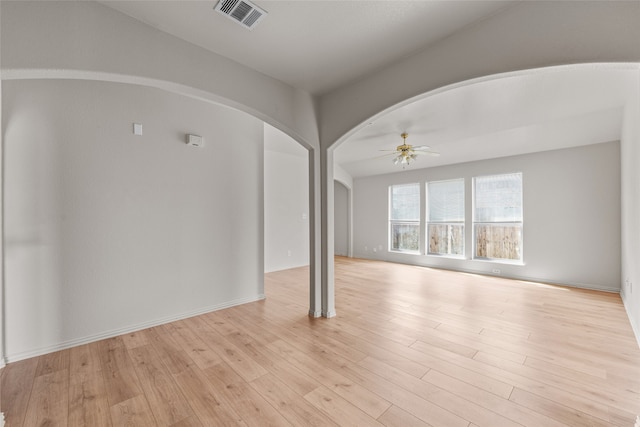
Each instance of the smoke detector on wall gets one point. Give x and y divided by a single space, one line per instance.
243 12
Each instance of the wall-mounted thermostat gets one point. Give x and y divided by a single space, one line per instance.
195 140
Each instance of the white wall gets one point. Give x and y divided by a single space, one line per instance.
630 151
89 41
106 231
341 175
286 202
571 215
85 39
341 220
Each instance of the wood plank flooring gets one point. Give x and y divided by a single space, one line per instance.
411 346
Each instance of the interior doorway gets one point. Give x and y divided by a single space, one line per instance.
286 202
341 219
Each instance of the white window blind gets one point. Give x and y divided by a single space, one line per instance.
498 198
405 202
446 200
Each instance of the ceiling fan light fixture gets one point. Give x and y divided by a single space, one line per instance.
405 153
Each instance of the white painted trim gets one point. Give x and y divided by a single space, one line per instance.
314 314
510 277
329 314
121 331
636 332
576 285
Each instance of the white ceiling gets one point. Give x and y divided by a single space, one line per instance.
314 45
319 46
517 114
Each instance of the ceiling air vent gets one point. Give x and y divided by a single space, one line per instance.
241 11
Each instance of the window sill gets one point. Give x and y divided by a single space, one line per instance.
499 261
459 257
394 251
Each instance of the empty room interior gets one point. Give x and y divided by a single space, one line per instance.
340 213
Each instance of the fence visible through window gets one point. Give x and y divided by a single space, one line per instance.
497 217
445 217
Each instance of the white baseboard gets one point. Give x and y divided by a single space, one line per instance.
522 278
121 331
546 281
635 330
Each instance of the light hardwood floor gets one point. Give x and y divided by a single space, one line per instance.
410 346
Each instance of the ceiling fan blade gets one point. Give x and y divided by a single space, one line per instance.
384 155
421 147
366 137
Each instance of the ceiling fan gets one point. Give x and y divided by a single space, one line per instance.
405 153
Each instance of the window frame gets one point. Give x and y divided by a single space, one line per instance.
448 223
518 224
400 222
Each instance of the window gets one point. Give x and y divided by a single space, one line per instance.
445 217
497 217
404 218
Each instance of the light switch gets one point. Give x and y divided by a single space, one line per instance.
137 129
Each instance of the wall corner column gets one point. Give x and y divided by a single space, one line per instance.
315 234
328 284
2 339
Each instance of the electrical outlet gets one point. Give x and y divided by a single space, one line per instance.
496 271
375 250
289 253
366 248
